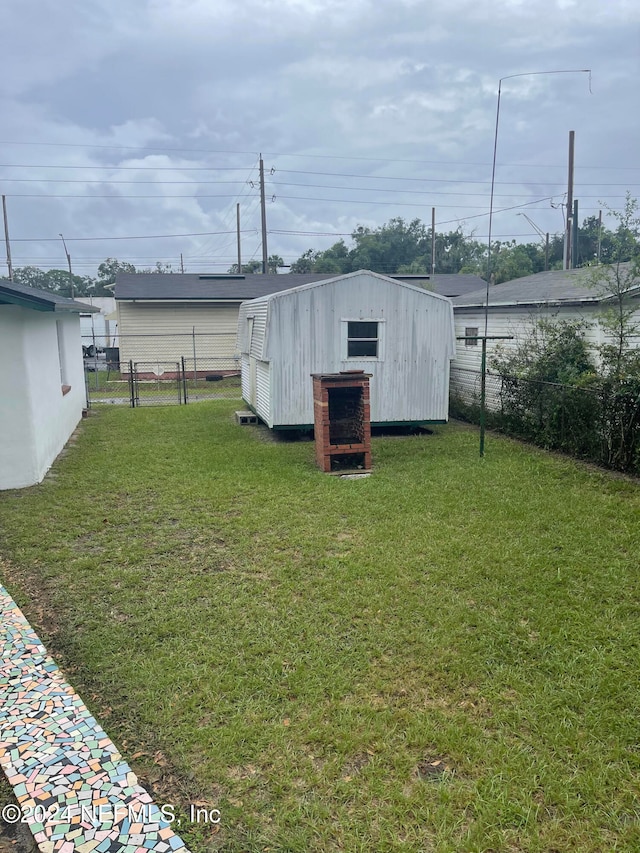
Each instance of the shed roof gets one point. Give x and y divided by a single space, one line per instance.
39 300
398 282
553 287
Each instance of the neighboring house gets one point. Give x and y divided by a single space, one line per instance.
515 306
42 390
400 334
165 317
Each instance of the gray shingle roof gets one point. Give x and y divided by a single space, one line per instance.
554 286
192 286
450 284
40 300
167 286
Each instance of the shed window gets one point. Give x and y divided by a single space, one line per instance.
470 334
362 339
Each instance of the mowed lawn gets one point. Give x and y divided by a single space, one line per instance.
441 657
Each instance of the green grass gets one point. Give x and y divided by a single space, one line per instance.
298 650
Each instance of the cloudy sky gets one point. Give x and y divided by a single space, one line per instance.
145 119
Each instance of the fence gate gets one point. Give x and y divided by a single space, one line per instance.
157 383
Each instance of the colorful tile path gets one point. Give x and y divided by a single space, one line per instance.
71 783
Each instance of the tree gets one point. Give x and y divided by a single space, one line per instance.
274 262
306 262
107 272
248 268
161 267
55 281
615 282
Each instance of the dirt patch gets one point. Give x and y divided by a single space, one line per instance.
354 765
16 838
432 769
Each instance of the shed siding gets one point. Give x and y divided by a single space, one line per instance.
260 311
263 392
304 335
244 379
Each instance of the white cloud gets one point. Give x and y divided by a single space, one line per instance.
401 83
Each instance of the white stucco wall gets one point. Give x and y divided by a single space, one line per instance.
36 419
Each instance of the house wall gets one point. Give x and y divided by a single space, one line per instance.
306 331
36 419
151 332
515 321
518 322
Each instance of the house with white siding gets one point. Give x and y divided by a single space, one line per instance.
402 335
515 306
163 317
42 389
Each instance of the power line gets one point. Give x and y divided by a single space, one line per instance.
427 192
431 180
195 182
142 237
128 168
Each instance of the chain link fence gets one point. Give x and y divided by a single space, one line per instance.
162 370
598 423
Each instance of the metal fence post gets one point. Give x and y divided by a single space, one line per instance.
132 386
184 381
195 372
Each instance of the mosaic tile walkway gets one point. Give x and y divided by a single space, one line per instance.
70 781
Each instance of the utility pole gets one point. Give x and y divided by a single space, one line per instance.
238 230
599 234
433 241
73 293
181 264
567 245
574 238
263 209
6 237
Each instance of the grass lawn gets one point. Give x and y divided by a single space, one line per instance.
442 657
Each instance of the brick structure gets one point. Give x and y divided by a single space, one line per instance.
342 420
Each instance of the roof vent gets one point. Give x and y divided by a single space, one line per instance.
220 277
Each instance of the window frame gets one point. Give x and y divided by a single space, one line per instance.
471 339
347 338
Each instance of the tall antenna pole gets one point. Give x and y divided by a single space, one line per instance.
238 229
599 234
546 252
6 237
263 208
568 254
493 181
433 241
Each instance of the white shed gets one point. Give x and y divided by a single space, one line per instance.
42 390
400 334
